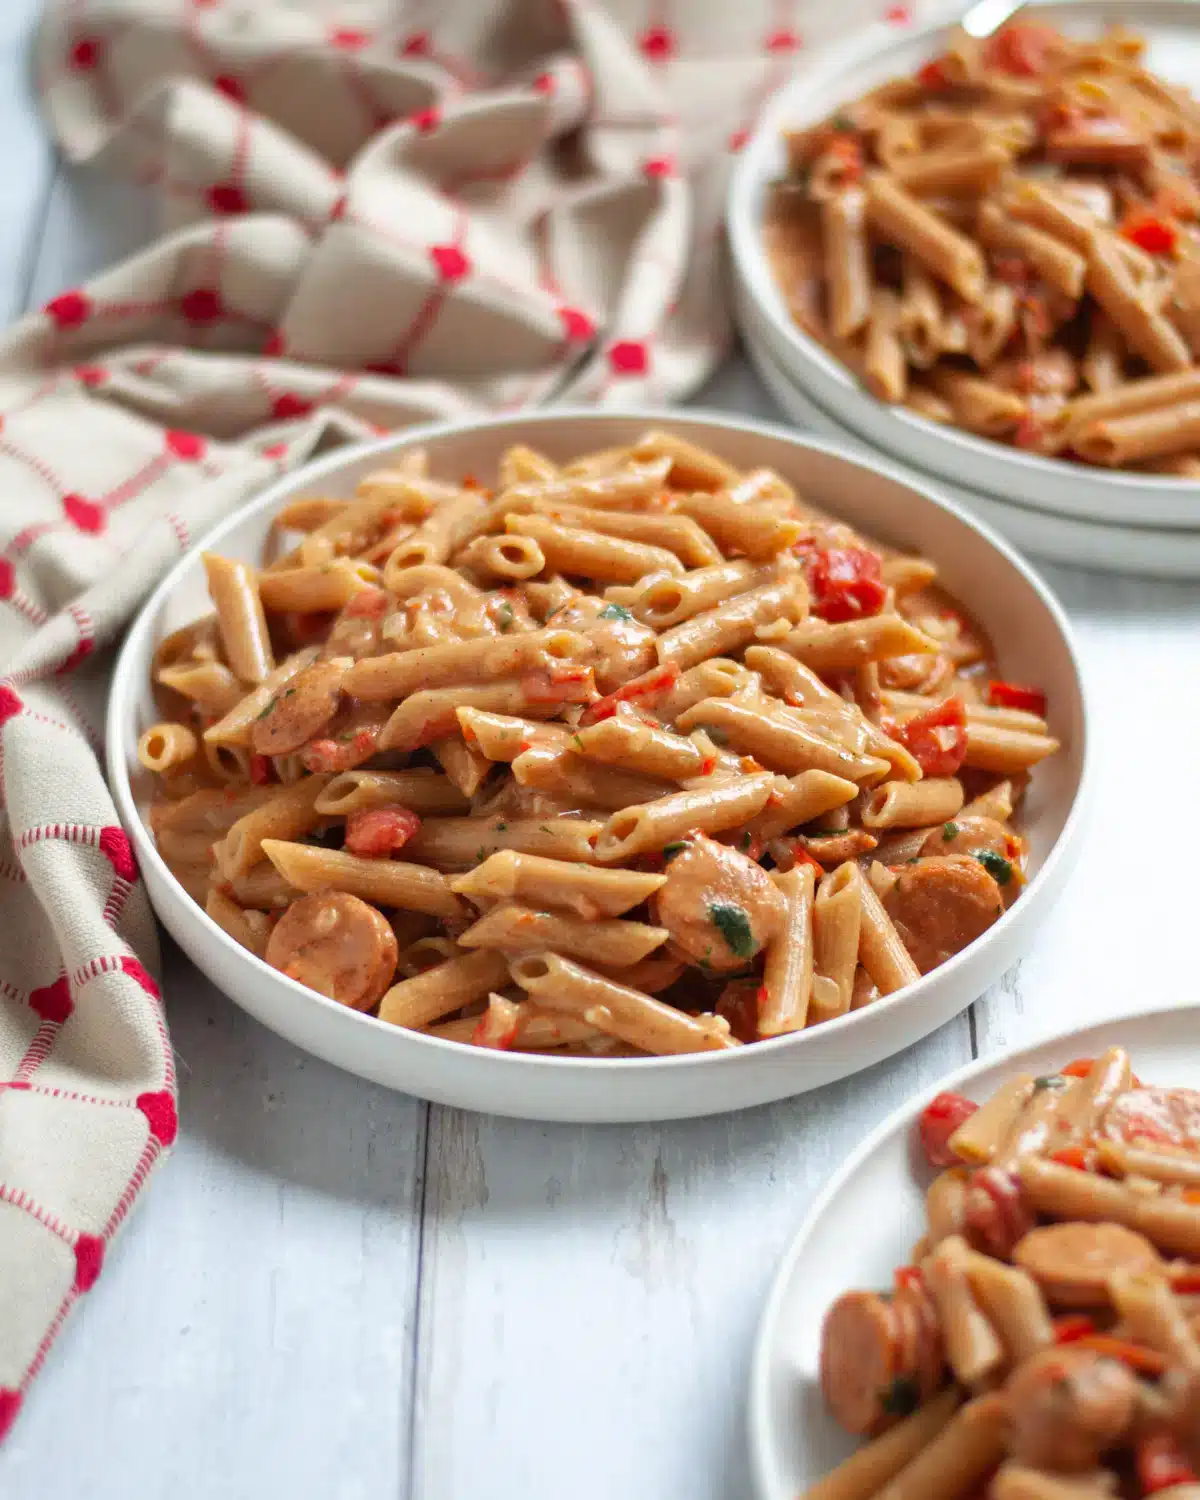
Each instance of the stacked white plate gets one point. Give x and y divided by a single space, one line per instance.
1068 512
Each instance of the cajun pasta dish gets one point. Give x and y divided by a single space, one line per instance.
1043 1342
635 754
1008 242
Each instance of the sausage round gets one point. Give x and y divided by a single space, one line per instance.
720 908
299 710
941 905
1072 1262
1068 1406
337 945
859 1357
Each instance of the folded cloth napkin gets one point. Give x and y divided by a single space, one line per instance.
418 210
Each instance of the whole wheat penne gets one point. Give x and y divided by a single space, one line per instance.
885 369
1159 433
165 745
384 882
466 767
912 804
400 673
869 1470
427 997
288 814
691 467
729 627
513 557
844 232
589 892
905 221
651 825
420 790
972 1348
249 928
779 739
837 920
321 586
505 736
432 714
678 534
799 799
994 747
459 843
881 950
435 539
592 554
955 169
209 683
235 591
1148 333
559 773
520 929
788 971
561 985
756 529
664 599
1055 262
631 743
839 647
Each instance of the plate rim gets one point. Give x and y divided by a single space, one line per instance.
1062 853
1129 490
1068 529
758 1427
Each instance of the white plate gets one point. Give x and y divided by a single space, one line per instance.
1031 635
793 1440
878 53
1082 544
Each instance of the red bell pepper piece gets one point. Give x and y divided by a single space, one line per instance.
940 1118
375 832
937 738
1013 695
846 583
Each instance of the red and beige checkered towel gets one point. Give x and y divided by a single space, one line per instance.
374 213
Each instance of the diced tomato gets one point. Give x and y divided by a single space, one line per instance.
937 738
558 684
708 765
909 1278
1073 1156
846 583
802 857
1022 49
375 832
1013 695
368 603
488 1034
1186 1282
341 755
933 74
1030 431
1079 1068
262 771
1151 232
1162 1464
650 684
848 151
940 1118
1073 1326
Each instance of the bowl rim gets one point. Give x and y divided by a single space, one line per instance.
751 269
125 685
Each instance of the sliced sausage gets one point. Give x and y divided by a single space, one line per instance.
1068 1406
1072 1262
1161 1117
720 908
859 1361
337 945
971 835
941 905
300 709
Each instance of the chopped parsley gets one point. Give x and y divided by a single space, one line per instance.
543 828
733 924
480 855
746 840
672 849
500 827
902 1397
615 612
504 616
270 705
949 831
578 742
1049 1081
996 865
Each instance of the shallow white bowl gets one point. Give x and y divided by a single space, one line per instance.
845 73
793 1439
1031 636
1144 550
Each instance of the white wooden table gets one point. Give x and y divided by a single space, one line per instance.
339 1293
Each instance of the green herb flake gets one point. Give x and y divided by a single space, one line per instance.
746 840
615 612
1049 1081
733 924
671 850
480 855
504 616
902 1397
578 742
270 705
949 831
841 121
543 828
500 827
996 865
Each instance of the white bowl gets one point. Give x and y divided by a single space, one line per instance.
845 73
793 1439
1146 550
1031 636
